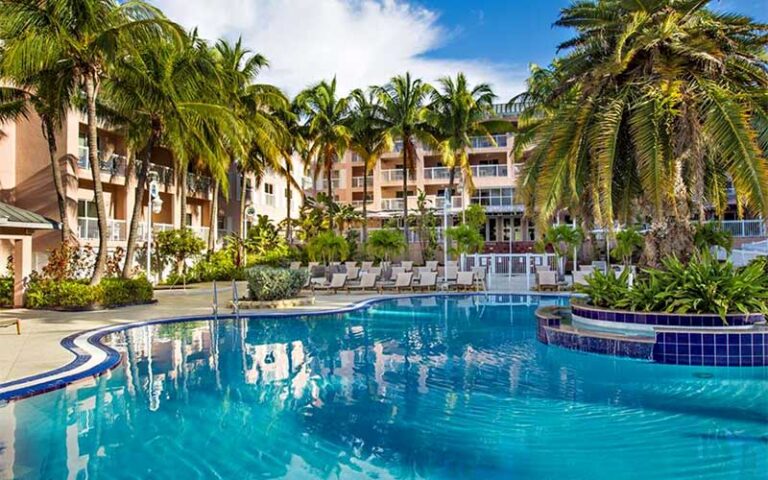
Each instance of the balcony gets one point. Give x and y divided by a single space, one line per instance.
357 182
198 183
505 110
88 229
112 164
163 174
743 228
392 175
359 203
437 173
156 228
479 171
392 204
201 232
457 202
499 141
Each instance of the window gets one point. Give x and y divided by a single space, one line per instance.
494 197
189 219
269 194
87 223
86 209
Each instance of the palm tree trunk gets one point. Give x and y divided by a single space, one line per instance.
98 190
244 187
138 203
288 197
405 191
58 183
329 187
365 202
214 217
183 197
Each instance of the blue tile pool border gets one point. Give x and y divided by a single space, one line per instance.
66 375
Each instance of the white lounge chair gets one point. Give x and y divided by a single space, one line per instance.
465 281
353 273
367 282
395 271
580 277
450 274
547 280
404 281
295 265
349 265
338 282
432 265
407 266
427 281
480 276
366 266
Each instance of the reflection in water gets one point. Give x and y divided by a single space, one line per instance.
424 387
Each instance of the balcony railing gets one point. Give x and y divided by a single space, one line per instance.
112 164
201 232
392 204
507 110
457 202
392 175
498 204
359 203
198 183
164 174
486 142
88 229
156 228
743 228
357 182
490 171
335 183
436 173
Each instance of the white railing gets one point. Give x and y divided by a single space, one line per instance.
88 229
112 164
456 202
356 158
335 183
392 204
494 141
357 182
156 228
743 228
392 175
508 110
436 173
490 171
201 232
499 265
517 169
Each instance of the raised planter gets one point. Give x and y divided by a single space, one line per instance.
659 337
274 304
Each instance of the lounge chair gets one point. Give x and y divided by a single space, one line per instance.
480 276
367 282
295 265
465 281
432 265
547 280
450 274
349 265
394 272
374 270
427 281
586 268
338 282
452 264
580 277
353 273
9 322
407 266
404 281
366 266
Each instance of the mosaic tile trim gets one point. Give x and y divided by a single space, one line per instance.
666 319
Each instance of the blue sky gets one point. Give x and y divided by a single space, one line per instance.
521 31
366 42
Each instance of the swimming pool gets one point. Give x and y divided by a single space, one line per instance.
422 387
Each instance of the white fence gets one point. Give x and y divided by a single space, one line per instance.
501 265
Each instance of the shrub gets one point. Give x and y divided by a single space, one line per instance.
219 265
45 293
385 243
178 245
266 283
704 285
116 292
279 256
467 239
328 247
6 292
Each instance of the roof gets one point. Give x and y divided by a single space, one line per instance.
15 217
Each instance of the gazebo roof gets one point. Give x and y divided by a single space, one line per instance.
15 217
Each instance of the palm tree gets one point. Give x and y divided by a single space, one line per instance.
460 113
80 39
327 117
654 106
163 97
258 107
370 139
404 114
48 93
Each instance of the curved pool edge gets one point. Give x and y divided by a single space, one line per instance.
93 358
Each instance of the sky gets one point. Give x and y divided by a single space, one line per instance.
365 42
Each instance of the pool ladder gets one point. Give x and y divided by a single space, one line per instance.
235 298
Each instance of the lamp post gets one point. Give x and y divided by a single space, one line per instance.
446 201
154 205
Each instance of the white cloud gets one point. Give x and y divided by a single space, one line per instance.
362 42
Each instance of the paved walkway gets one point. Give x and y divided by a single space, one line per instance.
38 348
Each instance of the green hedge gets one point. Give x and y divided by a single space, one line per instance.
79 295
6 291
266 283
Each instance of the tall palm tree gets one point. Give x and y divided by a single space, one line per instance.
164 96
370 139
258 107
48 94
327 129
405 116
81 39
653 107
460 112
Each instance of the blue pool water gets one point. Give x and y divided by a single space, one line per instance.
431 387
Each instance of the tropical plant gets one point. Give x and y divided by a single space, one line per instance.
459 112
425 223
263 236
266 283
655 105
178 245
404 115
711 234
474 216
328 247
628 242
386 243
606 290
370 139
81 41
466 239
327 128
562 239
